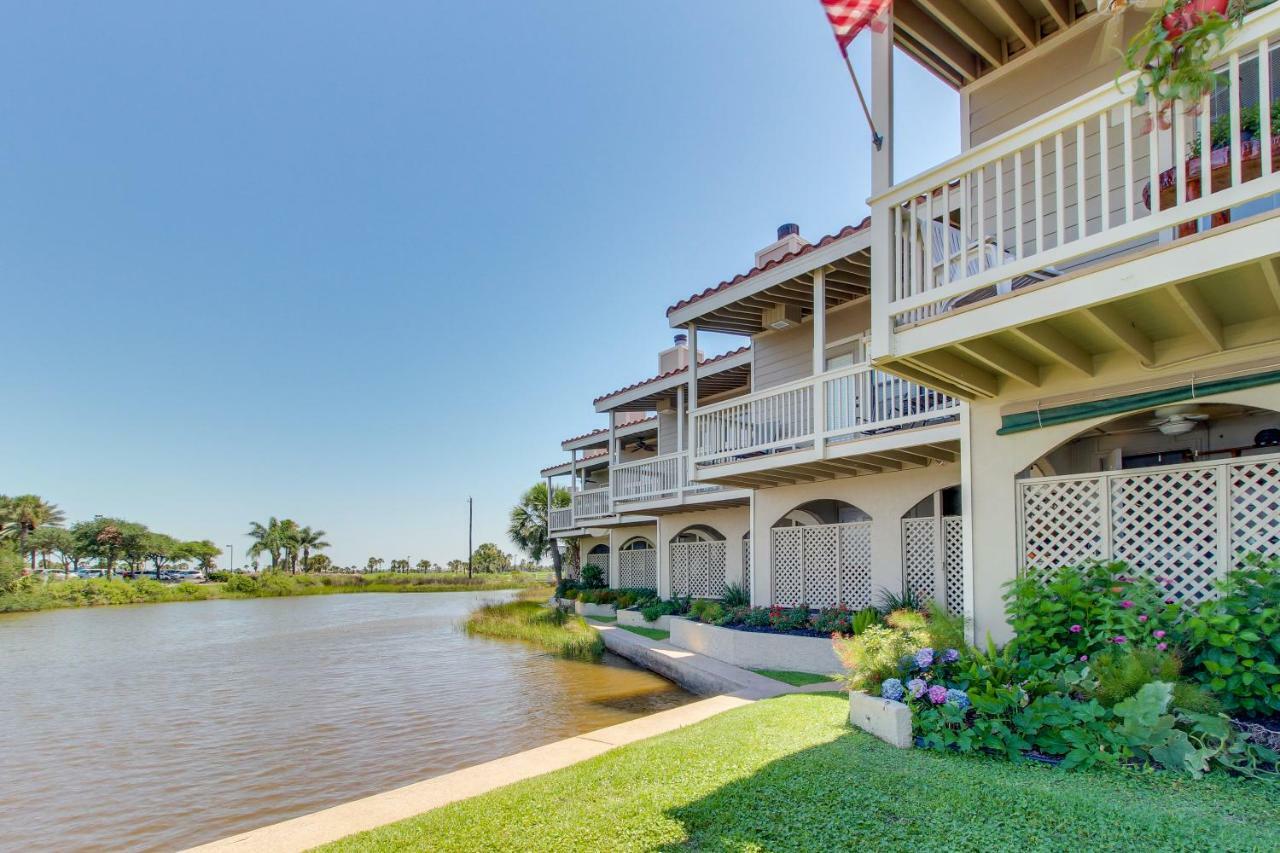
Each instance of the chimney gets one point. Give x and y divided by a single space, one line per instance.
789 241
676 356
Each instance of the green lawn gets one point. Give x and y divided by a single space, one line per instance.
603 618
795 679
790 774
651 633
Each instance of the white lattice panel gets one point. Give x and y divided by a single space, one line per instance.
920 555
855 564
822 565
788 566
601 561
679 561
638 569
953 562
717 559
1255 508
1063 523
746 567
1189 523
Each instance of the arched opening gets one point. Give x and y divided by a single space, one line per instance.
637 543
638 564
933 550
698 533
1180 492
820 512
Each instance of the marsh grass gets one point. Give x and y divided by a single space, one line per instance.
561 633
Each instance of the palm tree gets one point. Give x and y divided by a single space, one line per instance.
309 540
529 528
25 513
267 539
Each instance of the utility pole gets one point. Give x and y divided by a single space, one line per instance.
468 538
231 558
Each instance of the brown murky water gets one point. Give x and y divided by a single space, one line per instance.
166 725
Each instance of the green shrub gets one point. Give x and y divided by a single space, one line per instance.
757 617
888 601
834 620
593 577
1193 698
874 655
1088 610
789 618
864 619
10 569
656 610
1233 640
1121 672
735 596
217 576
241 584
706 610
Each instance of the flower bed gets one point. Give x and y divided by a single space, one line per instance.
636 619
1095 674
755 650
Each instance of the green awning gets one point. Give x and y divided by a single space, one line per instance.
1023 421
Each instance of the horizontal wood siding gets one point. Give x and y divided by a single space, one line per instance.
787 355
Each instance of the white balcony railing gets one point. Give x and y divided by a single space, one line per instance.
562 519
656 478
1085 181
592 503
854 402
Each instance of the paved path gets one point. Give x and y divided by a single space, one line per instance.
695 672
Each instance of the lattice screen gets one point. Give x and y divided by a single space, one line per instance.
698 569
1190 523
822 565
746 567
919 556
638 569
953 562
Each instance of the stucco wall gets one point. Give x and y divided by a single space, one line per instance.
731 522
885 497
997 460
619 536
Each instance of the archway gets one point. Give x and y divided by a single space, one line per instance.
698 557
822 555
698 533
932 550
1180 492
638 564
598 556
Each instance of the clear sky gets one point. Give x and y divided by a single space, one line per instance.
352 262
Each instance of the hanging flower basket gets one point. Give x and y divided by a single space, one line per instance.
1174 53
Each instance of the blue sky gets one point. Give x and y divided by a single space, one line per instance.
353 262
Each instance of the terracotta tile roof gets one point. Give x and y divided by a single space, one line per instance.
584 458
669 373
754 271
604 430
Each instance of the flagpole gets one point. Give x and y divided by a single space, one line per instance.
876 139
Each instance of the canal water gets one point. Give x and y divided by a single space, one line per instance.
166 725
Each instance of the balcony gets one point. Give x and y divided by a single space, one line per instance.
591 504
869 422
1048 245
562 519
660 481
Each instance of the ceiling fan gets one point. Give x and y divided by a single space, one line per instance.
645 445
1177 420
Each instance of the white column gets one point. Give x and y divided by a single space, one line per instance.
881 180
755 550
692 394
612 455
939 552
967 518
680 416
819 359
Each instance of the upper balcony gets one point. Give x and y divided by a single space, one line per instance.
1094 228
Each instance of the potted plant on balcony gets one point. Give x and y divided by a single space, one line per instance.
1175 51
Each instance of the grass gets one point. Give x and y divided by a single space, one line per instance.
603 618
33 594
794 678
790 774
651 633
564 634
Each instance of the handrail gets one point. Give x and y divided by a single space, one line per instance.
1257 25
783 388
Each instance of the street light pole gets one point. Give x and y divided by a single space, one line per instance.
468 538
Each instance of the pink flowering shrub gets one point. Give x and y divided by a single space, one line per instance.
1087 610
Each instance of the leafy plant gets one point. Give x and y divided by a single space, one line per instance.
874 655
1122 672
864 619
888 601
593 577
706 610
1235 639
1087 610
789 618
1174 53
834 620
735 596
656 610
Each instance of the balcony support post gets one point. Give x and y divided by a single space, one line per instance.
692 396
882 229
819 361
612 455
680 448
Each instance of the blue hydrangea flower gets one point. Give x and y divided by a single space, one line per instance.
924 658
917 686
950 656
958 698
891 689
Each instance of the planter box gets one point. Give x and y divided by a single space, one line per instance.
888 720
594 609
633 617
753 650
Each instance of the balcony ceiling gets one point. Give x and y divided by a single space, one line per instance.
719 375
961 40
931 446
1177 319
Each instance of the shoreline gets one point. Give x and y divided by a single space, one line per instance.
119 592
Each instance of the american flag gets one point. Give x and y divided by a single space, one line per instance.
850 17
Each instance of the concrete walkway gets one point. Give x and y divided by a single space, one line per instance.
695 672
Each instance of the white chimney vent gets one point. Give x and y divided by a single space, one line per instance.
788 243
